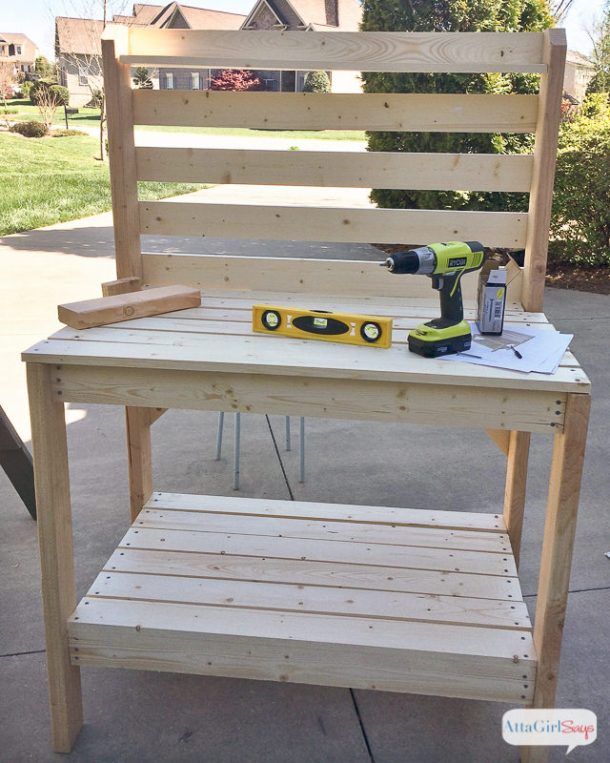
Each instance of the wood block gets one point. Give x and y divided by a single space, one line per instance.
121 286
124 307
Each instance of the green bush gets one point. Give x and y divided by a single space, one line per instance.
447 16
66 133
316 82
37 87
26 86
580 228
61 95
32 129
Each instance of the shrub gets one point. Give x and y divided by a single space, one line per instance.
316 82
61 95
580 228
66 133
37 88
235 79
97 99
32 129
446 16
25 88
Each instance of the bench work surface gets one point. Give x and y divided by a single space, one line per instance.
218 337
369 597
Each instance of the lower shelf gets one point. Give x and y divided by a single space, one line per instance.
404 600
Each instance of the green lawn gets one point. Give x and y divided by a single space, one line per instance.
91 118
51 180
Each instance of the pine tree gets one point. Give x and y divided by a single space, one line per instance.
316 82
451 16
141 79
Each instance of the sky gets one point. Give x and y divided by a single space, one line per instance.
35 17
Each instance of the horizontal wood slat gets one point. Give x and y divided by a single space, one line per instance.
293 275
369 51
390 226
403 112
450 172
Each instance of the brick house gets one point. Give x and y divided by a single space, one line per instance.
78 47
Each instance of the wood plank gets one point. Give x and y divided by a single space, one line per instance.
122 158
500 437
545 152
308 573
280 223
338 512
316 360
515 488
16 460
352 399
436 171
122 307
52 482
369 51
477 562
283 597
318 649
284 275
403 112
121 286
324 530
139 456
558 544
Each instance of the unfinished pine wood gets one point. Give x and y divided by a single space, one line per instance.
515 488
457 172
281 583
52 484
369 51
122 160
306 573
404 112
139 454
278 223
557 547
121 286
501 438
313 277
347 513
123 307
545 150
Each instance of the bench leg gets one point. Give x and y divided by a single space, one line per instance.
139 452
52 484
514 489
555 564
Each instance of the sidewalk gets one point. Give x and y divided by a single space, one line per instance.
147 717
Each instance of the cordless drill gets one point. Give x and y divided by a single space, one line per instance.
445 264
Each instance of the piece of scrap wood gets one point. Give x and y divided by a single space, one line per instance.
124 307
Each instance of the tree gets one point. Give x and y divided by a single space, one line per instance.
451 15
142 79
316 82
601 54
235 79
43 69
7 80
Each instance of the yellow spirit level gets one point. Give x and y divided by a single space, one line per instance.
366 330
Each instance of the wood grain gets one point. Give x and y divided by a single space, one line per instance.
369 51
405 112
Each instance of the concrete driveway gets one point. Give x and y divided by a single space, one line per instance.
133 716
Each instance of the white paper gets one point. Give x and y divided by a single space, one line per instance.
541 349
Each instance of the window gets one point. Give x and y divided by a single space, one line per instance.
195 81
17 50
83 80
169 80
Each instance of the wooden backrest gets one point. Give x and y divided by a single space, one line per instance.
124 47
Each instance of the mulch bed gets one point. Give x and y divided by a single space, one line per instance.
564 276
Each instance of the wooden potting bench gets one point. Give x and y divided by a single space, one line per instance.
370 597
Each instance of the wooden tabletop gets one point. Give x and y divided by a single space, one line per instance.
218 337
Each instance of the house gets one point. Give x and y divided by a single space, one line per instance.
78 47
19 50
579 72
